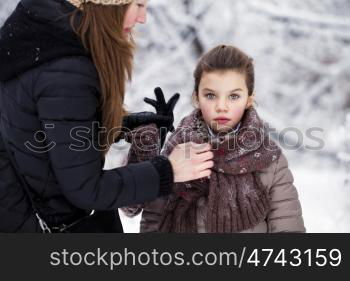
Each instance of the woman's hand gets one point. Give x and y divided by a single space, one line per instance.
164 118
163 108
134 120
137 119
191 161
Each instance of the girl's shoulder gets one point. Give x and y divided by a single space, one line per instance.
280 163
276 170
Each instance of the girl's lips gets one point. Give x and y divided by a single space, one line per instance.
222 121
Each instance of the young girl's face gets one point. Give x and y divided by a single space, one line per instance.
223 99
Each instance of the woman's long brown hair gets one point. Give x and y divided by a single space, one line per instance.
100 28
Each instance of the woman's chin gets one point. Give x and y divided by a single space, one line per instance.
127 32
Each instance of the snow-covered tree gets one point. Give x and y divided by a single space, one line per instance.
301 51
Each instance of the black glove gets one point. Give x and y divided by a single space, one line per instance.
134 120
164 109
164 118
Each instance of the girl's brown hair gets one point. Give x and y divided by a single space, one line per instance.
100 28
222 58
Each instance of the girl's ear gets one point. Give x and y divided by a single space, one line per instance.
251 100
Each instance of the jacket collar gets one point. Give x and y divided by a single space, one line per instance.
37 32
231 132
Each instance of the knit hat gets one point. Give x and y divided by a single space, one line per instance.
77 3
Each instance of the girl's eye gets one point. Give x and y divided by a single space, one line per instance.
140 5
210 96
234 97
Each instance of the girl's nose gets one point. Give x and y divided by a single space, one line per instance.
221 106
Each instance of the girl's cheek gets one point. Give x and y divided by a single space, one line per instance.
237 114
205 109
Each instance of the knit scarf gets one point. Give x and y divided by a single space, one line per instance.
237 199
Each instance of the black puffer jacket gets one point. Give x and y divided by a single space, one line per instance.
48 87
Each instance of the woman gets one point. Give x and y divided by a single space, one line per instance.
64 65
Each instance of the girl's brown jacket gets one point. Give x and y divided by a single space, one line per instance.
285 213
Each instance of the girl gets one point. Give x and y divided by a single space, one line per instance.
251 188
64 66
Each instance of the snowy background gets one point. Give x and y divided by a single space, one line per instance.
301 50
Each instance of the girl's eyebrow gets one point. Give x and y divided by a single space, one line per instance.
207 89
236 90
